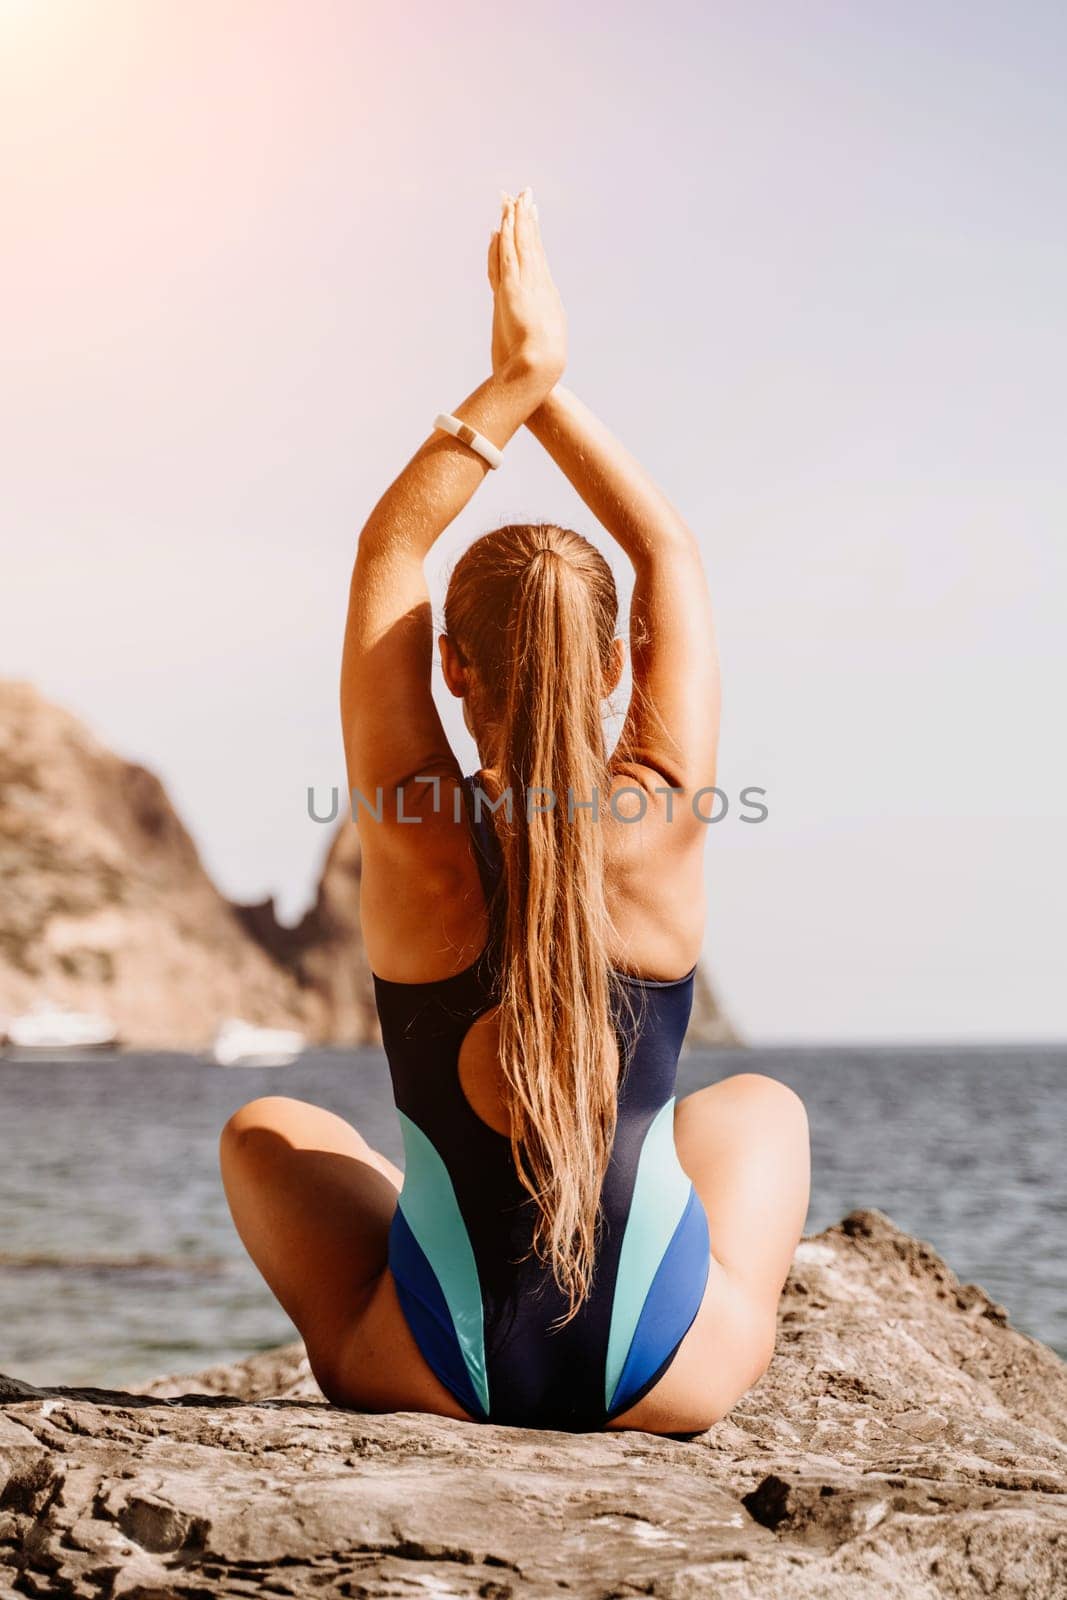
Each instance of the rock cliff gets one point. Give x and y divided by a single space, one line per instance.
906 1444
325 949
105 905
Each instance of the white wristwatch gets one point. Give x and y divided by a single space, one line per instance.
477 441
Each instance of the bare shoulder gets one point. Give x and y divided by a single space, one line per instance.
653 816
654 861
422 907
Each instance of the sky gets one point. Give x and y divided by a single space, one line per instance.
813 260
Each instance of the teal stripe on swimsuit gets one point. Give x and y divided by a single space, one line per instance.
661 1193
432 1212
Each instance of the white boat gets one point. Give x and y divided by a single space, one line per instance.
243 1044
48 1029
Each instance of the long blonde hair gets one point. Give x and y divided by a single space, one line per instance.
532 610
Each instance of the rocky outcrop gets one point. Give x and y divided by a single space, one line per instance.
906 1444
709 1026
105 905
325 949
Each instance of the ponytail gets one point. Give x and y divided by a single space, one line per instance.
534 609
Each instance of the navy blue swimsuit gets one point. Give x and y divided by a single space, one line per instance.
479 1311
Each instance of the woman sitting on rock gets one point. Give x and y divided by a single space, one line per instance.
567 1246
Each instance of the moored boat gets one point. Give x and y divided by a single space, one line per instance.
52 1030
242 1044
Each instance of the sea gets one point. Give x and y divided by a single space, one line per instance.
119 1262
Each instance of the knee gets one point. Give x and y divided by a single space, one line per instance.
771 1096
246 1127
748 1092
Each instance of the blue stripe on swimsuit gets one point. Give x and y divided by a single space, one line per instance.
479 1305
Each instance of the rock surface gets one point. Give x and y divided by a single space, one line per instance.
105 906
906 1444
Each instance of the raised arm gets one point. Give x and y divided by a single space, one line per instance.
673 722
392 731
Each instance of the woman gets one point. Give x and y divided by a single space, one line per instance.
567 1247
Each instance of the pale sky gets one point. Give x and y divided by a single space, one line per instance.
813 258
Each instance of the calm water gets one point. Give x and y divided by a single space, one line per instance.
118 1260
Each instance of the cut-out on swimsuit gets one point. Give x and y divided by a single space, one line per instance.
478 1303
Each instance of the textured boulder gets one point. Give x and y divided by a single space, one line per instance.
906 1444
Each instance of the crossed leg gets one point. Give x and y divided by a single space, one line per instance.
313 1202
744 1143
